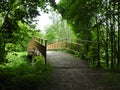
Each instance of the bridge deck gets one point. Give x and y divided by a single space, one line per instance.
71 73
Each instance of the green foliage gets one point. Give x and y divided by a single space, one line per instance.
15 17
22 38
20 75
25 34
95 20
59 30
77 54
78 13
16 58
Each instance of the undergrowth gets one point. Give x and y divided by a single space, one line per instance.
18 74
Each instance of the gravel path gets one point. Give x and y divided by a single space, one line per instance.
71 73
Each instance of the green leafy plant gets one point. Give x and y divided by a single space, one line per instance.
17 74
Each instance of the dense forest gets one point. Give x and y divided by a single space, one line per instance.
98 23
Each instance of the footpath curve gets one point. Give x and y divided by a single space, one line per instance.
70 73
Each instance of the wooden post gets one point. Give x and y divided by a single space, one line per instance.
45 52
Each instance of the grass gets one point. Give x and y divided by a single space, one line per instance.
18 74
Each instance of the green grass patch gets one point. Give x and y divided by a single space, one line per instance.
18 74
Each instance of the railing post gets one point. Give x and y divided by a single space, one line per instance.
45 52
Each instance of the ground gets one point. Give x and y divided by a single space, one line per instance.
70 73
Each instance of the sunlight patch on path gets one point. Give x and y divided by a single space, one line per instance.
60 59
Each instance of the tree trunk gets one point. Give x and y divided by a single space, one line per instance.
2 49
98 44
118 59
106 47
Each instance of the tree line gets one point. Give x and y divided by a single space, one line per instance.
98 21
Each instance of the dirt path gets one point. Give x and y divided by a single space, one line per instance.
71 73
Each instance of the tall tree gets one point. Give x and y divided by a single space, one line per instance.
13 11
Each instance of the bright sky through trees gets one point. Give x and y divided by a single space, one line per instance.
44 20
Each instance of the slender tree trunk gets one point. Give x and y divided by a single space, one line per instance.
2 49
114 40
111 34
98 44
118 59
3 38
107 56
88 38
